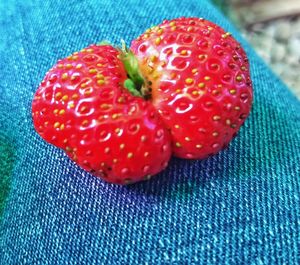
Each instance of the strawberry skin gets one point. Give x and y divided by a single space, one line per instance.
82 107
199 81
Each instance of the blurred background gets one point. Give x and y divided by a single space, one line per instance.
273 29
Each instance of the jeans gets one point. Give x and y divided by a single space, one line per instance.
240 206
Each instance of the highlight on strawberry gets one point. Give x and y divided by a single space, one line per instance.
183 88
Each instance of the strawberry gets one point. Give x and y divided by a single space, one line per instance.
197 77
83 108
183 87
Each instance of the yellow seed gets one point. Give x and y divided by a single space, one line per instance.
58 95
73 77
100 82
239 78
62 126
106 150
74 57
178 144
201 85
216 118
155 76
93 71
69 149
121 100
99 64
160 31
65 141
183 52
114 116
55 111
64 76
237 108
148 30
244 68
215 92
69 66
195 70
173 75
173 28
215 134
117 130
85 122
122 146
46 123
104 106
71 105
115 160
61 112
143 138
60 65
227 34
173 23
150 70
195 93
187 139
83 109
157 40
202 56
78 66
83 85
228 122
163 63
206 78
153 58
74 96
199 146
99 76
129 155
189 81
176 126
56 125
177 90
89 50
65 98
88 92
232 91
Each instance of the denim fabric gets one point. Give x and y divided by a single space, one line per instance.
238 207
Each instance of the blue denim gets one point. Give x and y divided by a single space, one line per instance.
238 207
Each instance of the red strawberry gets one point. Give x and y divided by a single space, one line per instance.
195 81
197 77
82 107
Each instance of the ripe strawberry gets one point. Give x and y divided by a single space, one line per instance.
116 112
197 77
82 107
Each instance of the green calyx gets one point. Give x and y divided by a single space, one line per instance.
135 80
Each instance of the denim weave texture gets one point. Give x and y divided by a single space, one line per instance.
240 206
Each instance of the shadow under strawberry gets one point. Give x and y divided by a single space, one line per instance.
257 155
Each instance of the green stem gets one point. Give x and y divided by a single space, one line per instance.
136 81
129 84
